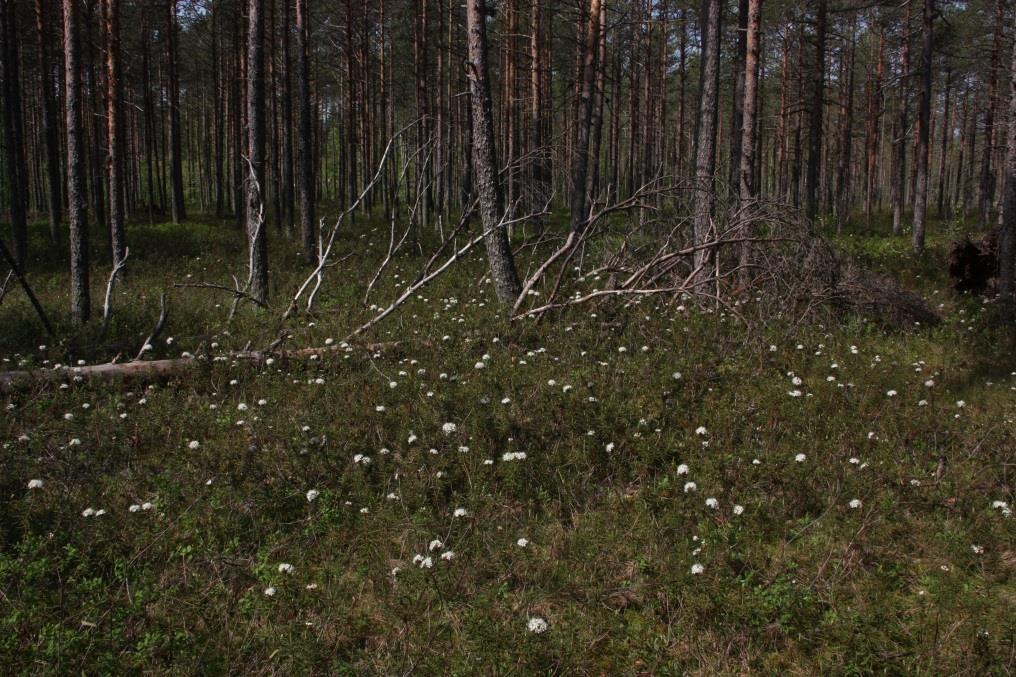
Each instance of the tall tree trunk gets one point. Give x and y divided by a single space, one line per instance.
77 205
287 124
308 227
17 171
705 154
219 104
537 122
747 182
737 99
499 252
257 238
175 141
580 158
114 136
841 200
49 118
599 96
923 150
947 126
899 177
149 114
871 130
811 190
986 193
1007 232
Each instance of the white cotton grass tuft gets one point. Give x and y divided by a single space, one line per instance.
537 625
286 568
35 484
449 428
312 494
697 569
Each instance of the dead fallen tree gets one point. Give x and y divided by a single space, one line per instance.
152 370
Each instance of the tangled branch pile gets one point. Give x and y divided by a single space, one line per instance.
762 262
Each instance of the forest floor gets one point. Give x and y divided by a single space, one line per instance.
667 494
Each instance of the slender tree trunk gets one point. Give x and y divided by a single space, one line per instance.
287 124
256 231
986 193
899 178
308 226
149 115
219 104
705 155
923 150
747 182
947 125
872 125
499 252
17 171
77 201
580 158
49 117
175 141
811 190
114 137
841 200
737 100
1007 231
596 124
537 122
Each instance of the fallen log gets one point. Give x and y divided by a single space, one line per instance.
154 369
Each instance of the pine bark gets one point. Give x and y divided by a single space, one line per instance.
986 192
580 159
817 109
179 209
923 150
50 124
499 253
308 226
114 132
17 170
705 155
1007 231
77 209
899 177
747 182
